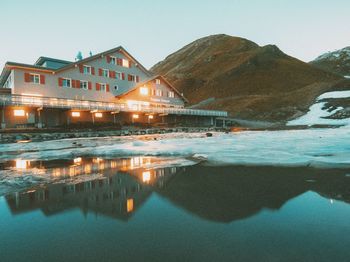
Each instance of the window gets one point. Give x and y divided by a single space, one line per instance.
118 75
98 115
159 92
157 81
18 112
67 82
113 60
116 87
87 70
144 91
84 85
105 72
171 94
75 114
35 78
125 63
103 87
132 78
8 82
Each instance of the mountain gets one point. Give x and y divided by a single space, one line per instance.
247 80
337 62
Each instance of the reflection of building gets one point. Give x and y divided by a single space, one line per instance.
109 87
117 193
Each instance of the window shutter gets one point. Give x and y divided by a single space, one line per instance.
137 79
73 83
97 87
26 77
81 68
89 85
60 81
123 76
130 63
77 84
129 77
42 79
111 74
108 59
93 70
107 87
119 61
100 72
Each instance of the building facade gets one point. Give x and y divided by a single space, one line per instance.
110 87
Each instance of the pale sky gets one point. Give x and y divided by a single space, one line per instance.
152 29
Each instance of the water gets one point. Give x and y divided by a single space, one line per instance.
147 209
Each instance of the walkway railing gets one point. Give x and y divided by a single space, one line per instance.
50 102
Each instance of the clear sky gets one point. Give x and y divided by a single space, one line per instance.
152 29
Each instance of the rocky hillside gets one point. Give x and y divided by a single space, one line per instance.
337 62
249 81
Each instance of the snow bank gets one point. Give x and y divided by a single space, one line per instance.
317 115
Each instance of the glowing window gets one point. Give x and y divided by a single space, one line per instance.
144 91
171 94
125 62
129 205
99 115
22 164
150 116
146 176
18 112
75 114
135 116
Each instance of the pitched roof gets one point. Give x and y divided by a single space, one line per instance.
37 66
149 80
42 59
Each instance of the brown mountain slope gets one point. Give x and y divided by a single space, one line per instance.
249 81
337 62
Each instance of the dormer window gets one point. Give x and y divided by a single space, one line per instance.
87 70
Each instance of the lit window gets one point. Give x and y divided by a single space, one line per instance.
158 81
144 91
105 72
87 70
66 82
75 114
19 112
22 164
35 78
84 85
171 94
150 116
135 116
98 115
146 176
129 205
125 63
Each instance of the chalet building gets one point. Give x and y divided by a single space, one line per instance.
110 87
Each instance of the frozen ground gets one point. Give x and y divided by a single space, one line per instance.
315 147
317 114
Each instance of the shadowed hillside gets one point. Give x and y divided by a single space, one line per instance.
249 81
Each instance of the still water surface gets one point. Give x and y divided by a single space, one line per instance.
121 210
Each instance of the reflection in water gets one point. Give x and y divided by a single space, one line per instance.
124 185
221 194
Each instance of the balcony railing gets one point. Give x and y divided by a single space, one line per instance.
50 102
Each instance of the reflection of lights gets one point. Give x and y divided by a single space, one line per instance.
19 112
146 176
332 201
22 164
97 160
77 160
87 169
75 114
129 205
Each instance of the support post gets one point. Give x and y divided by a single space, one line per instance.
39 124
3 123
